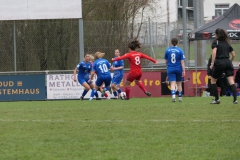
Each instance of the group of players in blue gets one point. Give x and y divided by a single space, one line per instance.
100 67
174 57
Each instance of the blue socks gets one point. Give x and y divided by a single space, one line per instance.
84 92
96 94
93 93
173 92
115 93
119 90
179 93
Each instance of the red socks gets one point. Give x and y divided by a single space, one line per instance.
127 90
105 95
142 86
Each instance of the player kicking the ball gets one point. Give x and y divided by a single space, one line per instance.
135 73
174 57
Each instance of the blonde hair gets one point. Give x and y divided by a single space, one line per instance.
91 57
99 55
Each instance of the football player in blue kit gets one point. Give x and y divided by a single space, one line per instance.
174 57
117 74
84 68
101 68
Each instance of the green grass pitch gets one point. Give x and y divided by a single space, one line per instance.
139 129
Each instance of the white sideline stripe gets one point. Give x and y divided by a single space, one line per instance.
117 121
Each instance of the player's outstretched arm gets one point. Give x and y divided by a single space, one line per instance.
125 56
149 58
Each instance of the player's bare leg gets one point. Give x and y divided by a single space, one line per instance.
173 92
114 90
86 89
140 85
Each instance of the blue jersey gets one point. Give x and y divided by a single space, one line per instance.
174 55
101 67
84 69
118 73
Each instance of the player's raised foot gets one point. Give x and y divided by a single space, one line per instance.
180 99
98 99
215 101
81 98
235 102
90 99
148 94
173 99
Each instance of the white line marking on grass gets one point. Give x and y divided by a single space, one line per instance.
34 120
118 121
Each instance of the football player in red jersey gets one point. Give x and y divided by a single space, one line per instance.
135 73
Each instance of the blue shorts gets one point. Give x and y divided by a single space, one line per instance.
105 80
174 75
117 80
82 80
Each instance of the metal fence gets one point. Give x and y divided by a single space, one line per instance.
54 44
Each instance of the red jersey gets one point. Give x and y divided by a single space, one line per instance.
134 58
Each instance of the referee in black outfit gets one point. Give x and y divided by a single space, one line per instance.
221 63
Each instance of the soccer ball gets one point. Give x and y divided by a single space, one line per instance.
122 95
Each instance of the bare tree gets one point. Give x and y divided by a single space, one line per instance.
117 10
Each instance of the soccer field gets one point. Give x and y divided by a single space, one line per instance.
138 129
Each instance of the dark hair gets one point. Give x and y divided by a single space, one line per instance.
174 41
221 35
134 44
86 54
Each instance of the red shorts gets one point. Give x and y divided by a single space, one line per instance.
134 76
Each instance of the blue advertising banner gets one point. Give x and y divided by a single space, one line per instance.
22 87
